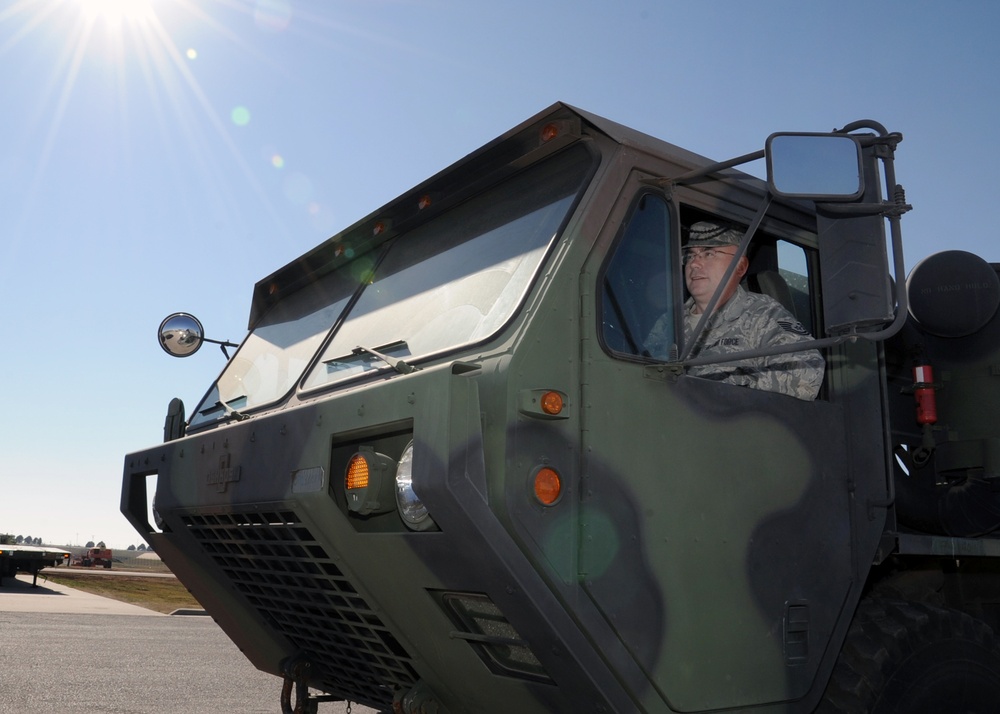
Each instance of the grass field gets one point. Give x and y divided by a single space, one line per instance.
159 594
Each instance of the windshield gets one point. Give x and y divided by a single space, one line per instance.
452 281
272 357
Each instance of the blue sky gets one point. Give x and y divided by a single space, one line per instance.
162 155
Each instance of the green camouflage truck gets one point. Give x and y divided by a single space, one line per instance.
443 473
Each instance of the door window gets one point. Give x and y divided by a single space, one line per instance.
637 302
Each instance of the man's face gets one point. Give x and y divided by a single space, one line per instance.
703 271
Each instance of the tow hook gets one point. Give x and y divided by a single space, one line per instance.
419 700
297 672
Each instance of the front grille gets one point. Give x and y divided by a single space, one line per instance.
277 564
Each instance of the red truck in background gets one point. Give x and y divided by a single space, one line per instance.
94 557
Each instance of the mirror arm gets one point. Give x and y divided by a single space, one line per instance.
887 139
692 176
723 357
895 209
896 238
863 124
818 344
223 344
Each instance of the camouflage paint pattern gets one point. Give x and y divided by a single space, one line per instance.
706 551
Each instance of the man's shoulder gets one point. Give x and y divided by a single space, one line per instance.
745 302
758 303
765 309
751 299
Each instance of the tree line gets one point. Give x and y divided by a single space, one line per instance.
11 539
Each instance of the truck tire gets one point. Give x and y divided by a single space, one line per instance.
911 658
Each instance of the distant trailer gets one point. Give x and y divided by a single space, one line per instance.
29 559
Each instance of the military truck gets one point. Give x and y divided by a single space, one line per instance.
443 473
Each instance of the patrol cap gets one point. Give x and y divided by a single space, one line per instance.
705 234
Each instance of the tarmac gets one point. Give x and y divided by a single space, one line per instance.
72 652
17 595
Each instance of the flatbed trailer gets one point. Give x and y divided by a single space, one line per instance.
29 559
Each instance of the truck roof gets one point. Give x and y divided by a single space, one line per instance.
507 153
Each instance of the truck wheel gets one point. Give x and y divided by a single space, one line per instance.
912 658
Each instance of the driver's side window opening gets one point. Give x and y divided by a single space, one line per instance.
640 305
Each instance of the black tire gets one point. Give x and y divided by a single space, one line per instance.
912 658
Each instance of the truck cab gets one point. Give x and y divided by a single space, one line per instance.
445 472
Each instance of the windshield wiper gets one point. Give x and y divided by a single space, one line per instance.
358 355
224 406
399 365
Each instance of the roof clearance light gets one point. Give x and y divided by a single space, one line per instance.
379 228
549 132
367 482
552 403
424 202
548 486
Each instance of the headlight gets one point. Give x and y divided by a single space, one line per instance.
411 508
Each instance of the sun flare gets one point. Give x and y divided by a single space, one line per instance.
115 12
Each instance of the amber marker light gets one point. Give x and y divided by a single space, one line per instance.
548 486
357 473
424 202
549 132
368 484
552 403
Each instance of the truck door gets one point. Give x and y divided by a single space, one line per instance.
715 527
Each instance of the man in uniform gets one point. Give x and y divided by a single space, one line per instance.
741 321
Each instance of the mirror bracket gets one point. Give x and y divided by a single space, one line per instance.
181 335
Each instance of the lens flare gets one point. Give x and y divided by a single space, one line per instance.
240 116
273 15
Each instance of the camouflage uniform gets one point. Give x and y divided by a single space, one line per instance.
749 321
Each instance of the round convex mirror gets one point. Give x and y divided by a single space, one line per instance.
181 334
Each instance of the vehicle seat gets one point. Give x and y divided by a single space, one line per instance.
770 282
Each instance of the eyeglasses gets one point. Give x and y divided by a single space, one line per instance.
706 254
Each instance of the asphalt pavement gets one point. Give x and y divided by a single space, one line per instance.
67 651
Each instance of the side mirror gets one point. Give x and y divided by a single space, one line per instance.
181 334
825 167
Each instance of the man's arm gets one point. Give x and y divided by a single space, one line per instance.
799 374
